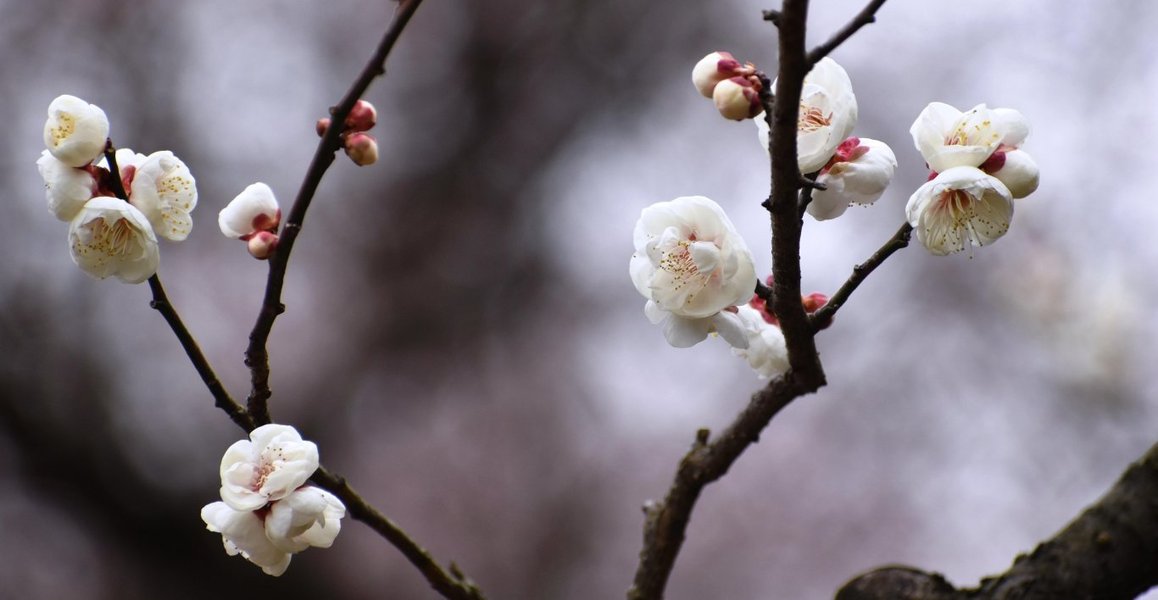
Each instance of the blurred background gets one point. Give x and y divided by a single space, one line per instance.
462 339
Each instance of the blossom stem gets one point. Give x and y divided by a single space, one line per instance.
823 317
257 353
864 17
450 584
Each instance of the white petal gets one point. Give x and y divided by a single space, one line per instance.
111 237
252 209
1019 173
243 532
683 332
76 131
767 352
729 326
1014 127
961 206
66 188
164 190
829 203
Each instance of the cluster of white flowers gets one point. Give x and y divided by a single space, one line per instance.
108 236
978 169
696 272
853 170
266 512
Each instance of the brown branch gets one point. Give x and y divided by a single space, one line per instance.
257 354
823 317
864 17
161 304
450 584
665 522
1109 552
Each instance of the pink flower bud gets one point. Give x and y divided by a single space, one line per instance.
737 98
262 245
716 67
813 302
362 149
362 117
322 126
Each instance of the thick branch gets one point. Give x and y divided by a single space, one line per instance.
257 355
864 17
453 584
1109 552
666 521
823 317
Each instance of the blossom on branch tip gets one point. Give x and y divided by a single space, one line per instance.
267 467
254 210
109 236
827 116
164 190
691 264
66 188
76 131
716 67
961 206
362 148
858 173
737 98
947 137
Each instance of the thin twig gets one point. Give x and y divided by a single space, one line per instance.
823 317
161 303
257 354
450 584
864 17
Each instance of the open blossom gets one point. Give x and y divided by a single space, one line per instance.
691 264
164 190
76 131
307 517
109 236
66 188
961 206
267 467
858 173
766 352
828 114
983 137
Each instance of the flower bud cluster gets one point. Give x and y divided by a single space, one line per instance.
267 513
733 87
360 146
109 236
253 217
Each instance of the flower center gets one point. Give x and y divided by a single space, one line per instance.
812 118
65 126
109 240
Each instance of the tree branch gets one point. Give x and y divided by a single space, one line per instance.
1109 552
257 354
823 317
161 304
864 17
453 584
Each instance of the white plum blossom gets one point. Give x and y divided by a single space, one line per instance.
691 264
308 517
255 209
66 188
76 131
164 190
987 138
267 467
959 207
858 173
109 236
828 114
766 352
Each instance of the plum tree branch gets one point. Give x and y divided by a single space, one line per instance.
823 317
864 17
1109 552
257 353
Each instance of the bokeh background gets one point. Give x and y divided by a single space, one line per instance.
462 339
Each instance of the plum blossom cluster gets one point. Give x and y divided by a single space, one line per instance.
266 512
109 236
360 146
978 170
851 170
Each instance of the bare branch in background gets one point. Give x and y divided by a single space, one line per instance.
864 17
823 317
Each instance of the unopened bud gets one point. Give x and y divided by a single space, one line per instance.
813 302
737 98
362 117
362 149
262 245
713 69
1018 172
322 126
